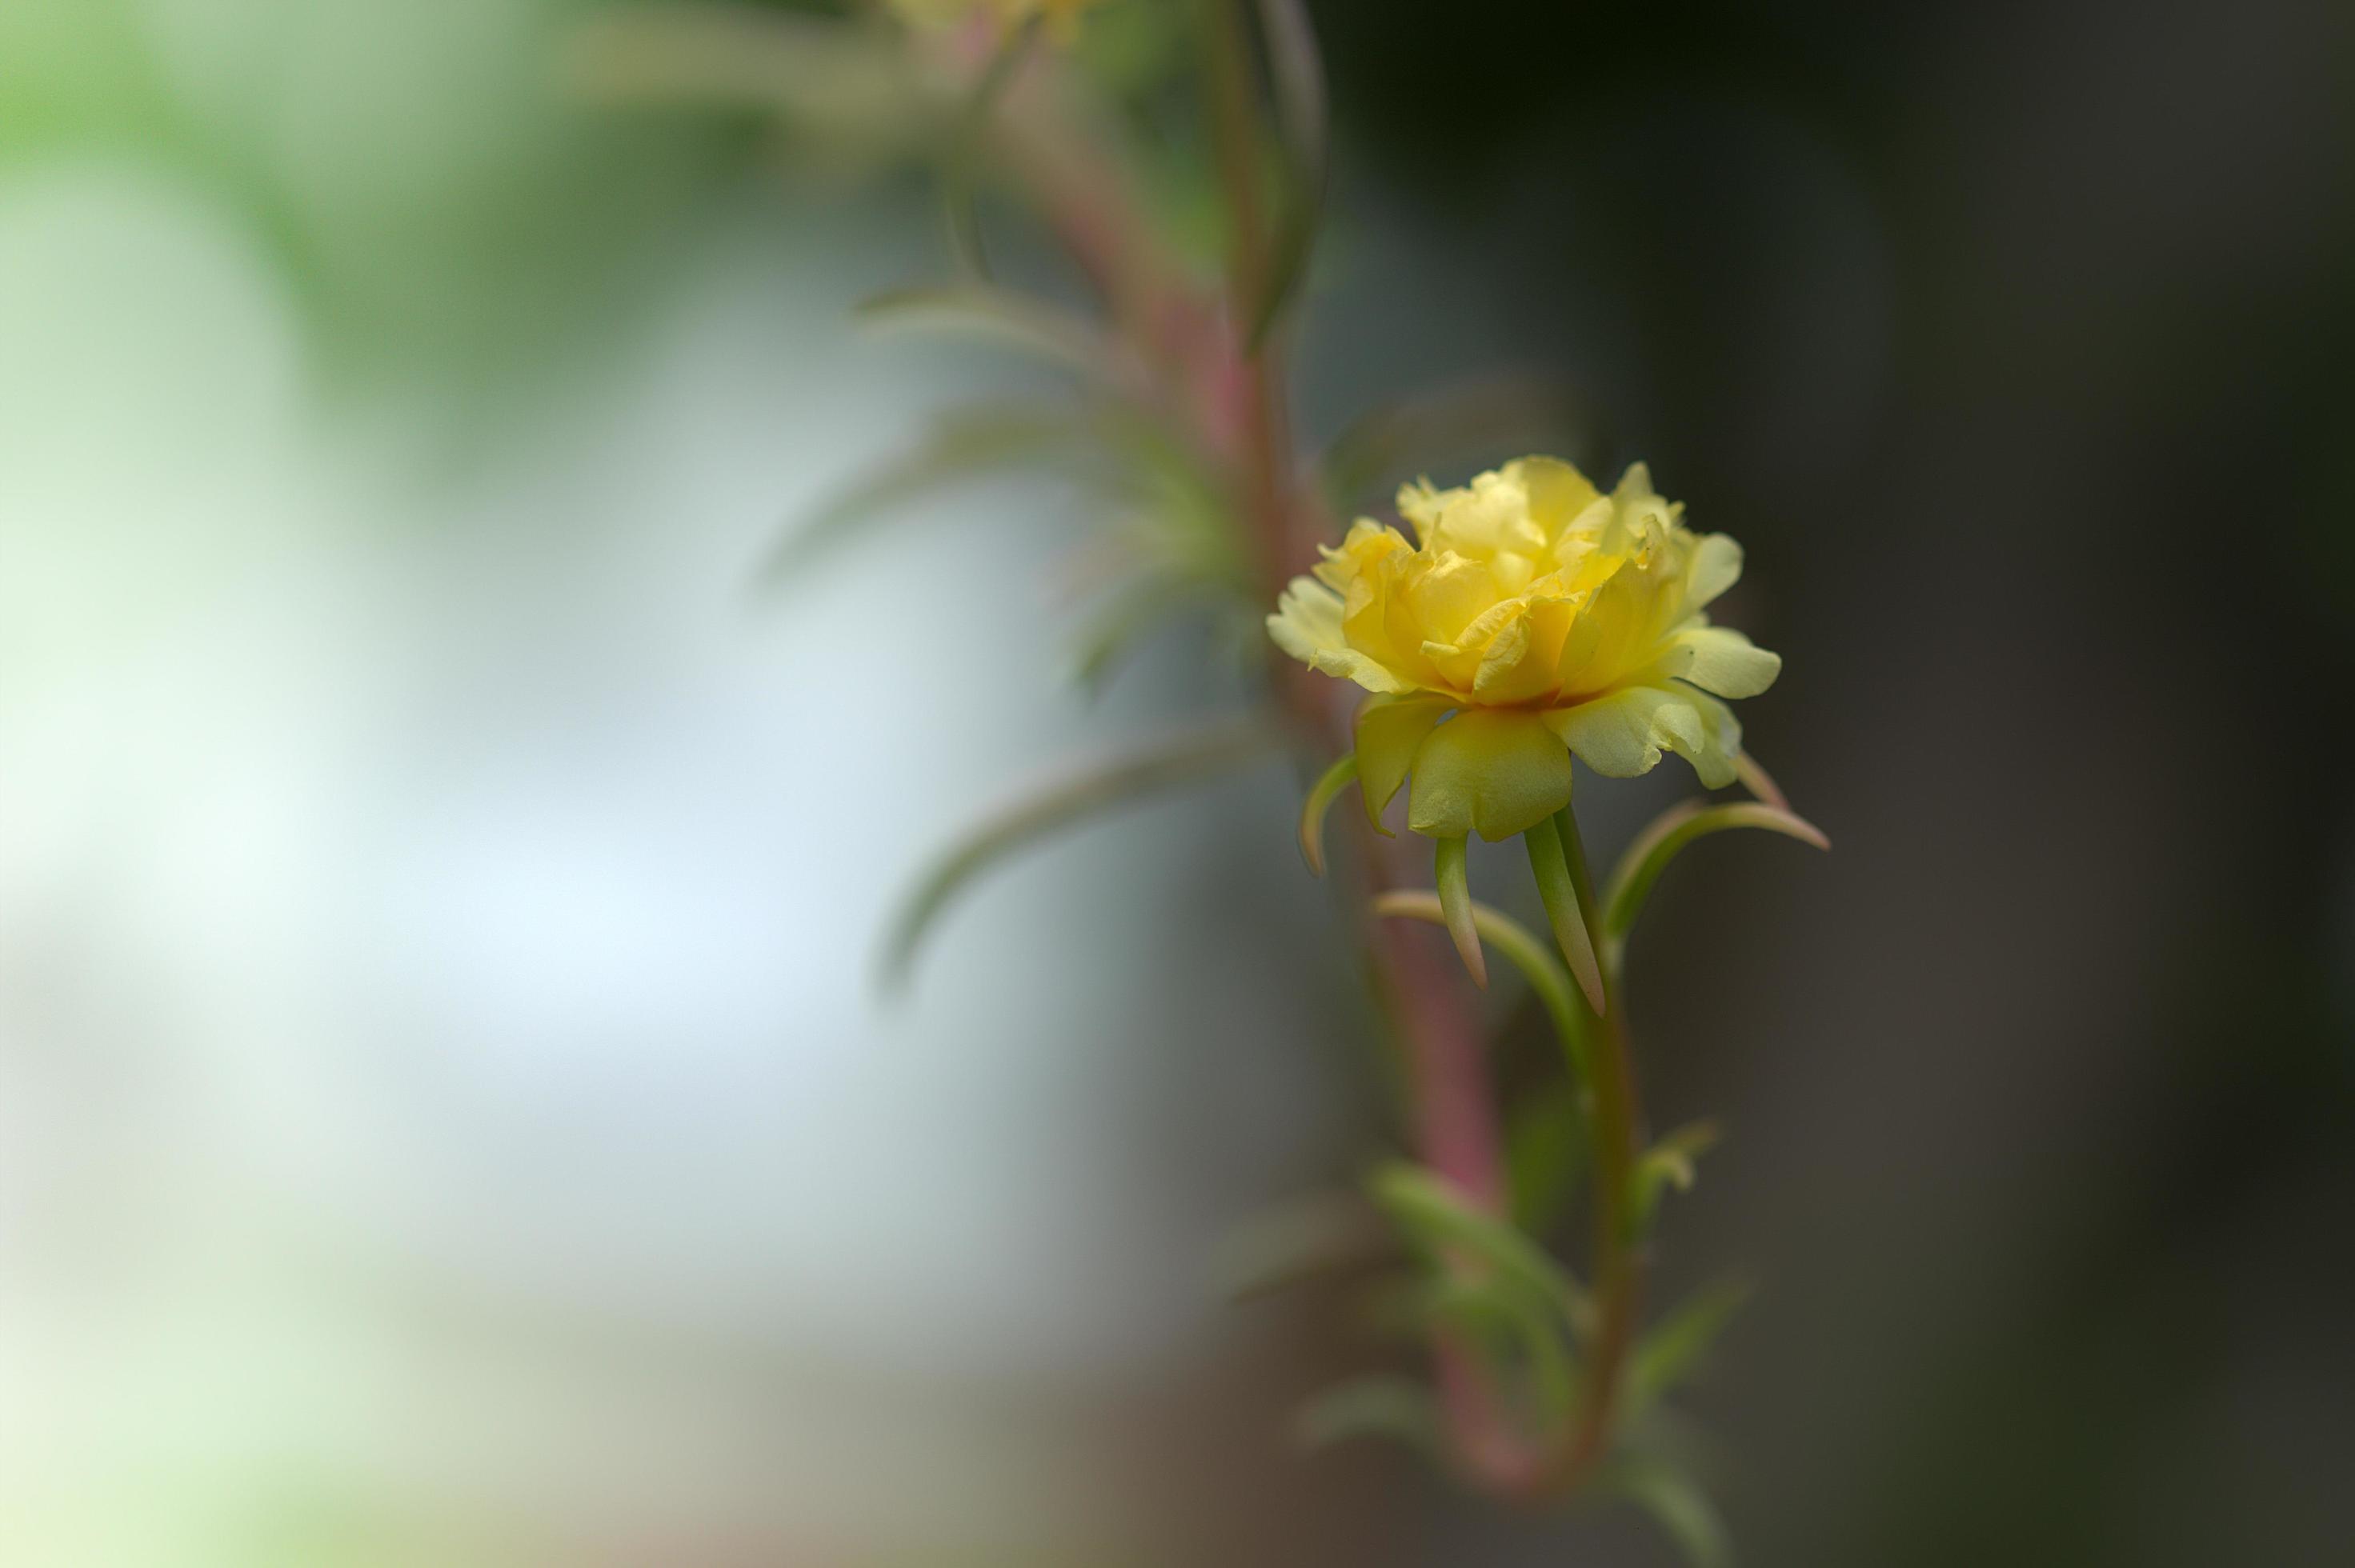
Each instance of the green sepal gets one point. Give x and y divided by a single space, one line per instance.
1495 772
1389 731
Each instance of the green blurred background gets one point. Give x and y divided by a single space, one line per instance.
441 1116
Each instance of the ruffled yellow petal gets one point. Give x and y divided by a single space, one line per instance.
1307 625
1716 567
1556 491
1720 659
1495 773
1528 600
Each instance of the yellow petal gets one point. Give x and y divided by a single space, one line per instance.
1716 567
1307 625
1420 504
1307 621
1493 772
1557 493
1450 594
1610 638
1506 673
1721 659
1613 734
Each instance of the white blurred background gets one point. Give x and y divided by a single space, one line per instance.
443 1116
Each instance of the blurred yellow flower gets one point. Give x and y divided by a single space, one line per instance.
1547 619
1062 17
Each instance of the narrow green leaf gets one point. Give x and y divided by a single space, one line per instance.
1431 1212
1560 896
1546 1142
1081 793
1535 959
1390 1407
1448 875
1661 842
991 314
1667 1163
1136 610
1525 1338
1297 74
1312 811
842 84
1673 1351
1758 782
1318 1234
967 137
963 444
1677 1505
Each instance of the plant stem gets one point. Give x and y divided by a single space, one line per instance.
1456 1129
1619 1267
1260 414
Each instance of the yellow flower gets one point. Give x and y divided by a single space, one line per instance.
1547 620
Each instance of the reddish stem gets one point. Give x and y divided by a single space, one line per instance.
1456 1132
1236 398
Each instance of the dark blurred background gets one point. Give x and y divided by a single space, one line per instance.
445 1121
2004 337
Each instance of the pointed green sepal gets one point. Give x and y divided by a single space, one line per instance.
1454 887
1312 811
1562 911
1389 732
